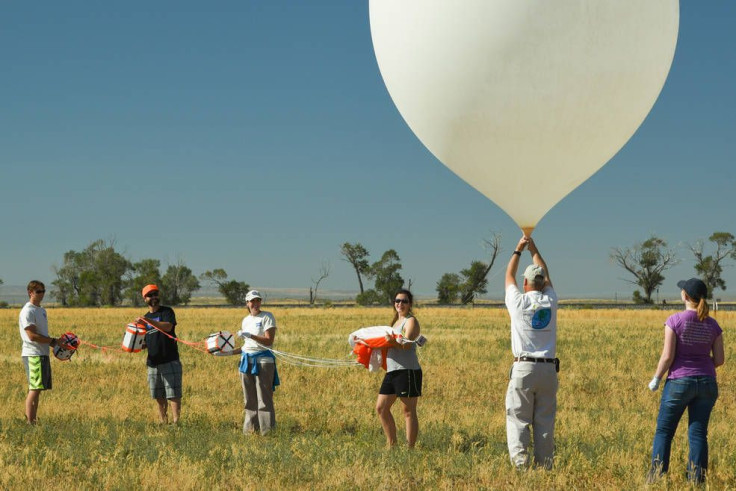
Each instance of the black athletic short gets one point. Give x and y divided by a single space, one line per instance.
402 383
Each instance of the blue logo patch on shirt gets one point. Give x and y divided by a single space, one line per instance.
149 327
541 318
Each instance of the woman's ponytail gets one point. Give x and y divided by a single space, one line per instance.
702 310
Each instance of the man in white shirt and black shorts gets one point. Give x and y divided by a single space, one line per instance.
531 398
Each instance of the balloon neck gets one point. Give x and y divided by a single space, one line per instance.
527 231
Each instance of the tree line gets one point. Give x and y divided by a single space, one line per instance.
648 260
645 261
387 280
99 275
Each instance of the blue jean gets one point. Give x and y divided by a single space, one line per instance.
698 395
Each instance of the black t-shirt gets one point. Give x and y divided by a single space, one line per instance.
161 348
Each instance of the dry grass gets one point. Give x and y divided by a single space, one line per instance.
97 427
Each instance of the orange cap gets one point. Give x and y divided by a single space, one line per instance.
148 288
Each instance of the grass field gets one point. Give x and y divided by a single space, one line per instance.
97 428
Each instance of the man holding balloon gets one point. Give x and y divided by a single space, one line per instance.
531 398
525 88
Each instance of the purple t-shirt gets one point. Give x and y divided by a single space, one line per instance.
694 344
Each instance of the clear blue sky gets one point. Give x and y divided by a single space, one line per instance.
259 136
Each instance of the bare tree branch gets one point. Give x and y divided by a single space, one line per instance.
324 272
477 275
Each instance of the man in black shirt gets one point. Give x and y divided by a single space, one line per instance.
164 367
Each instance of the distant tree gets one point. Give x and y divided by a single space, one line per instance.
178 284
233 291
144 272
474 281
709 267
637 298
324 272
475 278
646 262
408 284
92 277
370 297
357 256
387 279
67 284
448 288
110 269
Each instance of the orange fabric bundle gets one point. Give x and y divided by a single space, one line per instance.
370 346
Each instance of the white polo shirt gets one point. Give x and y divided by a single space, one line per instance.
533 322
33 315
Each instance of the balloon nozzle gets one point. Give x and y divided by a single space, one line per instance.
527 231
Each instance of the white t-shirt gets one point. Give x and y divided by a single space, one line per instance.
33 315
258 325
533 322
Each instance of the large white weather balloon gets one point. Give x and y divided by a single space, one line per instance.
524 99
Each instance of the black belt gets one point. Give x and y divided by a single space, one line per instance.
536 360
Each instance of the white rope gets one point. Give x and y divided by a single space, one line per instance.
309 361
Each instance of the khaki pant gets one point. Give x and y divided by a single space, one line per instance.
531 402
258 395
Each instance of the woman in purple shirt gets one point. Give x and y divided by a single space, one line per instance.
693 348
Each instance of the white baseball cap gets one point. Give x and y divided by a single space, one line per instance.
532 271
253 294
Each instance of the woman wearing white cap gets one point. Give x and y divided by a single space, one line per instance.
258 372
693 348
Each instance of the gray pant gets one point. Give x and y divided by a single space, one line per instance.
258 395
531 401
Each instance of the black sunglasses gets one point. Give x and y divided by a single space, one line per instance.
40 291
152 294
401 300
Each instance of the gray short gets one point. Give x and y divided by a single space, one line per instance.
164 380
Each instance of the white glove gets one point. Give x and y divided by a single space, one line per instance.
223 353
654 384
243 334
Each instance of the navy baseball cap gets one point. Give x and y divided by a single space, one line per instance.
694 287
